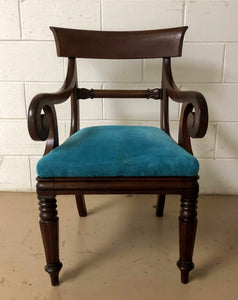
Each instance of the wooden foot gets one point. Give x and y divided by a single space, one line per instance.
160 205
53 270
50 235
187 233
82 210
185 269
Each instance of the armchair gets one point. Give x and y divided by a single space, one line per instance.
118 159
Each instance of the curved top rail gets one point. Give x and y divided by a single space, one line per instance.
119 44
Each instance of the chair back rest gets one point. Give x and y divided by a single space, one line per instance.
76 43
119 44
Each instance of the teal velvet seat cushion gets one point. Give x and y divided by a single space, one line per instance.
103 151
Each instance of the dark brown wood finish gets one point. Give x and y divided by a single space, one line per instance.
148 94
43 127
194 114
160 205
50 235
80 201
74 108
119 44
193 123
115 185
187 233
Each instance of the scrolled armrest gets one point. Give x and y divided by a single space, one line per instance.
44 126
194 113
38 123
194 110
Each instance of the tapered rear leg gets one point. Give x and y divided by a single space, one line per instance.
50 235
80 201
187 233
160 205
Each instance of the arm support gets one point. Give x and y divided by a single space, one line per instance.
194 113
44 126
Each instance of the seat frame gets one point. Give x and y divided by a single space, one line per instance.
193 123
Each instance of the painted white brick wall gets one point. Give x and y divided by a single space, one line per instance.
29 65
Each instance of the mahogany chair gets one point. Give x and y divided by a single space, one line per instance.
118 159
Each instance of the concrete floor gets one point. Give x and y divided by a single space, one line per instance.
120 251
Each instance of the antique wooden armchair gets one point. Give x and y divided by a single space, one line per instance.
118 159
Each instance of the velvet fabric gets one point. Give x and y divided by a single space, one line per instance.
104 151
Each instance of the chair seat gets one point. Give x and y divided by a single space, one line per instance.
105 151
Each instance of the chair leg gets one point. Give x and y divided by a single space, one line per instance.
160 205
50 235
187 233
80 200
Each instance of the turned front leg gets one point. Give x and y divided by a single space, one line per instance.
50 235
187 233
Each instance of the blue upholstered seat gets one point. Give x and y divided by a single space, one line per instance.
103 151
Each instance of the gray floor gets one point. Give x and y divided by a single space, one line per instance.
120 251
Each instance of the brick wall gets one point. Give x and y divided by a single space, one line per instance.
29 65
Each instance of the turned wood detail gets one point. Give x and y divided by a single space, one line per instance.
50 235
187 233
83 93
188 211
48 211
153 94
